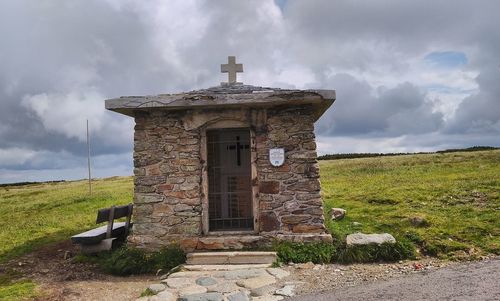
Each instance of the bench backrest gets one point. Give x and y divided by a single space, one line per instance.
112 213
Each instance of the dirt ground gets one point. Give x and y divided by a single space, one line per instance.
62 279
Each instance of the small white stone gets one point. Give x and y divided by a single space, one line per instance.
365 239
157 287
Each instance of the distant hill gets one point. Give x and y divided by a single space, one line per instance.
29 183
371 155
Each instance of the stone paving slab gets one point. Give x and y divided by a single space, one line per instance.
247 283
178 283
224 287
203 297
192 289
244 274
256 282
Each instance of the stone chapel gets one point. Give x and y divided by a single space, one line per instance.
226 167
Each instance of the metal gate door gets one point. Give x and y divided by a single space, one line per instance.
229 172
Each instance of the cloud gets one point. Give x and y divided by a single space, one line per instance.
379 111
480 112
416 75
67 113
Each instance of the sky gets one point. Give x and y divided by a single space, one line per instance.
409 75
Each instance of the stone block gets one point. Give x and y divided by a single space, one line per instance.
271 187
337 213
305 185
161 209
165 187
314 211
295 219
142 198
210 244
305 228
189 244
366 239
269 221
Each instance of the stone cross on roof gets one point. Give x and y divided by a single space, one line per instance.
231 68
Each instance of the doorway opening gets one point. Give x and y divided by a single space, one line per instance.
229 180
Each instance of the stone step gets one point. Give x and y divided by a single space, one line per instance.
222 267
239 257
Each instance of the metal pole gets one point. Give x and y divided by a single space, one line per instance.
88 158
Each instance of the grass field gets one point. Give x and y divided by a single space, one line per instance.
456 195
38 214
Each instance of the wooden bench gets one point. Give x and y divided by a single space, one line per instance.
101 239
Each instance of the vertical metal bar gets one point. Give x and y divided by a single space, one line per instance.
88 159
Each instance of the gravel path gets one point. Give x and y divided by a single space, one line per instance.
465 281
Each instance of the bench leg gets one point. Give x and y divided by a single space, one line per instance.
104 245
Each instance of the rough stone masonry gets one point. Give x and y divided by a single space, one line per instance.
171 196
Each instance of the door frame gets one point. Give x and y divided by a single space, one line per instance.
228 124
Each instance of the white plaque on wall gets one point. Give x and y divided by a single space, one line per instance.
277 156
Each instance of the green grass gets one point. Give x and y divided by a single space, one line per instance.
457 194
296 252
39 214
13 287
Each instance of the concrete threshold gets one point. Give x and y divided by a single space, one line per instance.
223 267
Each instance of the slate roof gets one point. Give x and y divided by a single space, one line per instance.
224 96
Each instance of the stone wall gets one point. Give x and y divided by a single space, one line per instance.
290 201
169 171
167 203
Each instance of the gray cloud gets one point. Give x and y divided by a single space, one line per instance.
381 112
480 113
71 55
